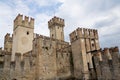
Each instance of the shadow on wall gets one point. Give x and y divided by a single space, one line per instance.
14 79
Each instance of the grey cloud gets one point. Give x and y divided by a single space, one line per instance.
101 5
106 22
110 40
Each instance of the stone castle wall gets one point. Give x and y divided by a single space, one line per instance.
46 66
52 58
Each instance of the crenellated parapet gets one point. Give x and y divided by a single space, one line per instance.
23 21
115 49
37 36
115 54
111 53
84 33
107 53
111 50
56 21
8 39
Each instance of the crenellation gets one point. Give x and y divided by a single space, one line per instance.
32 22
73 36
79 32
92 33
86 35
18 18
95 32
18 21
7 36
84 32
116 49
8 42
26 19
107 52
51 58
56 20
23 21
100 55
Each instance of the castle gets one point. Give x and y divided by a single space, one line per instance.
30 56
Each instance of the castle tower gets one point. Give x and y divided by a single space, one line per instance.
83 43
22 35
56 26
8 43
79 54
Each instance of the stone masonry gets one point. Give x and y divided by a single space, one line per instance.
30 56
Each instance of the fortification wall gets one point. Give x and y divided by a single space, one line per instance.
45 48
18 69
108 66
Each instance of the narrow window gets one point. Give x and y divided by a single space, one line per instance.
27 32
92 45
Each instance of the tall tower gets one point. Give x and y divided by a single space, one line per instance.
22 35
84 42
56 26
8 43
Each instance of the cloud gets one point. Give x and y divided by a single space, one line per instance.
42 3
102 15
41 26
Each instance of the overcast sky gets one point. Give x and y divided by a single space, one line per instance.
103 15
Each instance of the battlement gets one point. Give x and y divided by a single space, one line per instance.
110 52
115 49
106 50
84 33
47 38
57 21
23 21
8 38
7 35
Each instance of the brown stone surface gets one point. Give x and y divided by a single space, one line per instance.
51 58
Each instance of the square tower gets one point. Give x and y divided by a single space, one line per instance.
22 35
56 26
83 43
